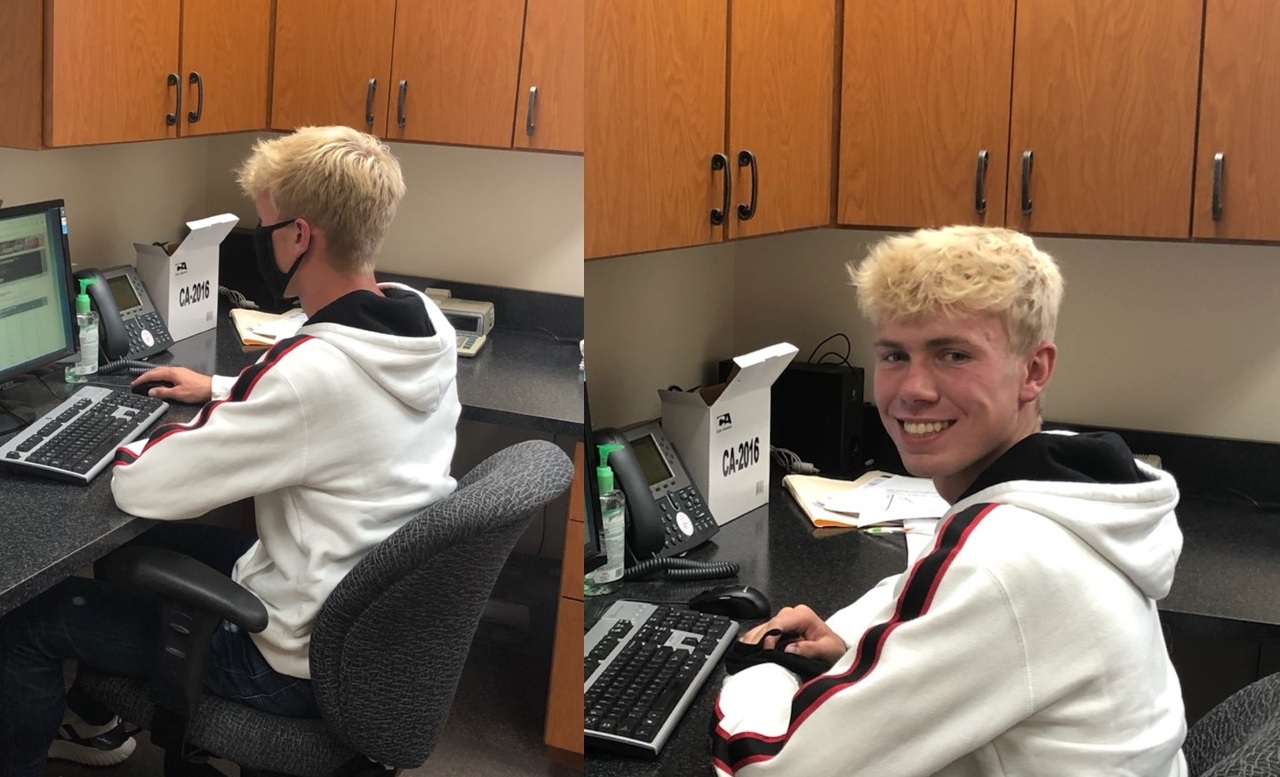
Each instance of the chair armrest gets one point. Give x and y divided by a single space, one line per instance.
186 580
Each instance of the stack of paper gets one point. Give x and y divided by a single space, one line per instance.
258 329
876 498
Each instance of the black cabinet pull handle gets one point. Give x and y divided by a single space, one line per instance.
198 80
1218 160
1026 183
745 212
720 162
368 101
172 118
533 108
404 87
980 184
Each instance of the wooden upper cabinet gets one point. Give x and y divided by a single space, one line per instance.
656 90
1104 98
551 64
327 54
107 70
781 111
925 98
1239 116
226 47
455 70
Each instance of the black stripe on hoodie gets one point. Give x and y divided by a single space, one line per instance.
244 384
731 753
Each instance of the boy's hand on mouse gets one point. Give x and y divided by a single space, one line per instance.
817 640
189 386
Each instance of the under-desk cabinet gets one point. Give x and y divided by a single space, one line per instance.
435 71
81 72
684 149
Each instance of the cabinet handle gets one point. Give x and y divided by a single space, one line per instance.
720 162
172 118
368 101
980 184
1026 183
745 212
1218 160
404 87
528 118
198 80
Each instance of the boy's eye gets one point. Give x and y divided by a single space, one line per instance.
891 356
955 357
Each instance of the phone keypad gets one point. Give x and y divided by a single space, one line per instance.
697 519
148 326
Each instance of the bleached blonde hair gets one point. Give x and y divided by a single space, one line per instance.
963 270
344 181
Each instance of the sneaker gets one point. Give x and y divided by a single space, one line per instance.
105 745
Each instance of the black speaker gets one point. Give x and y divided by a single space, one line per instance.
816 411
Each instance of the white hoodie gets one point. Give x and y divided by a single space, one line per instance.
339 434
1025 642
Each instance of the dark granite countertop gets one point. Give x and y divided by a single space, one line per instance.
52 529
1225 585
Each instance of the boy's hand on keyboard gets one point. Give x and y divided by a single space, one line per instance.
817 640
189 386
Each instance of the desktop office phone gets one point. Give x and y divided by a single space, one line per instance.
666 515
130 327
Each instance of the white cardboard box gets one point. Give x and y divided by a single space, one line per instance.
722 432
184 284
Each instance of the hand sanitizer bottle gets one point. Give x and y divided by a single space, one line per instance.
87 322
613 513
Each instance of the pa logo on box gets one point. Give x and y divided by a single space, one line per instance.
179 268
724 422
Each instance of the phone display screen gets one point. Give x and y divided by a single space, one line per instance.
122 292
650 459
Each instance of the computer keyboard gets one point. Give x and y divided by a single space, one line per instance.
644 663
77 439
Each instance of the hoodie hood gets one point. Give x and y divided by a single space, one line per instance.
403 341
1092 486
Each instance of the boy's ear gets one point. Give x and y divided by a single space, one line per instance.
1039 369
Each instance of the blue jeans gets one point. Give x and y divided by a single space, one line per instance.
112 627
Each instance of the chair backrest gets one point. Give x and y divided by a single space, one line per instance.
1240 736
390 641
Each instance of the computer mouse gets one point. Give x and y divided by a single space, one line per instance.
145 387
737 601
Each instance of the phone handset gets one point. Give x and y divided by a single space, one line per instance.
666 515
113 340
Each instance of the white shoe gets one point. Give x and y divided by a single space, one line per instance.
105 745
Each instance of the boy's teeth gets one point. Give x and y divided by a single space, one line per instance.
925 428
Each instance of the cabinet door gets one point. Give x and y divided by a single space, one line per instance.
925 92
781 110
1239 114
457 69
656 87
107 65
551 64
326 52
1104 96
226 44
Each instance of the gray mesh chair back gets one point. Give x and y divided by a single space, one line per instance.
389 644
1240 737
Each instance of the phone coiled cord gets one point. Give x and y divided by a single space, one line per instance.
682 569
129 366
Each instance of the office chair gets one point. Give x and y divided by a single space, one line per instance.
387 647
1240 737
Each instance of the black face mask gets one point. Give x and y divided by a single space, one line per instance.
275 280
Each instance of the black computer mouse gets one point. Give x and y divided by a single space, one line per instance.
737 601
145 387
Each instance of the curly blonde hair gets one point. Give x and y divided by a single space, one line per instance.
962 270
344 181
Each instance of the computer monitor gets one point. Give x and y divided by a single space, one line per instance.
593 553
37 321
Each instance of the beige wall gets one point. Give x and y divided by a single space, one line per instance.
503 218
115 195
1162 336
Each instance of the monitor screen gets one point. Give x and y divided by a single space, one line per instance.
36 316
593 554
